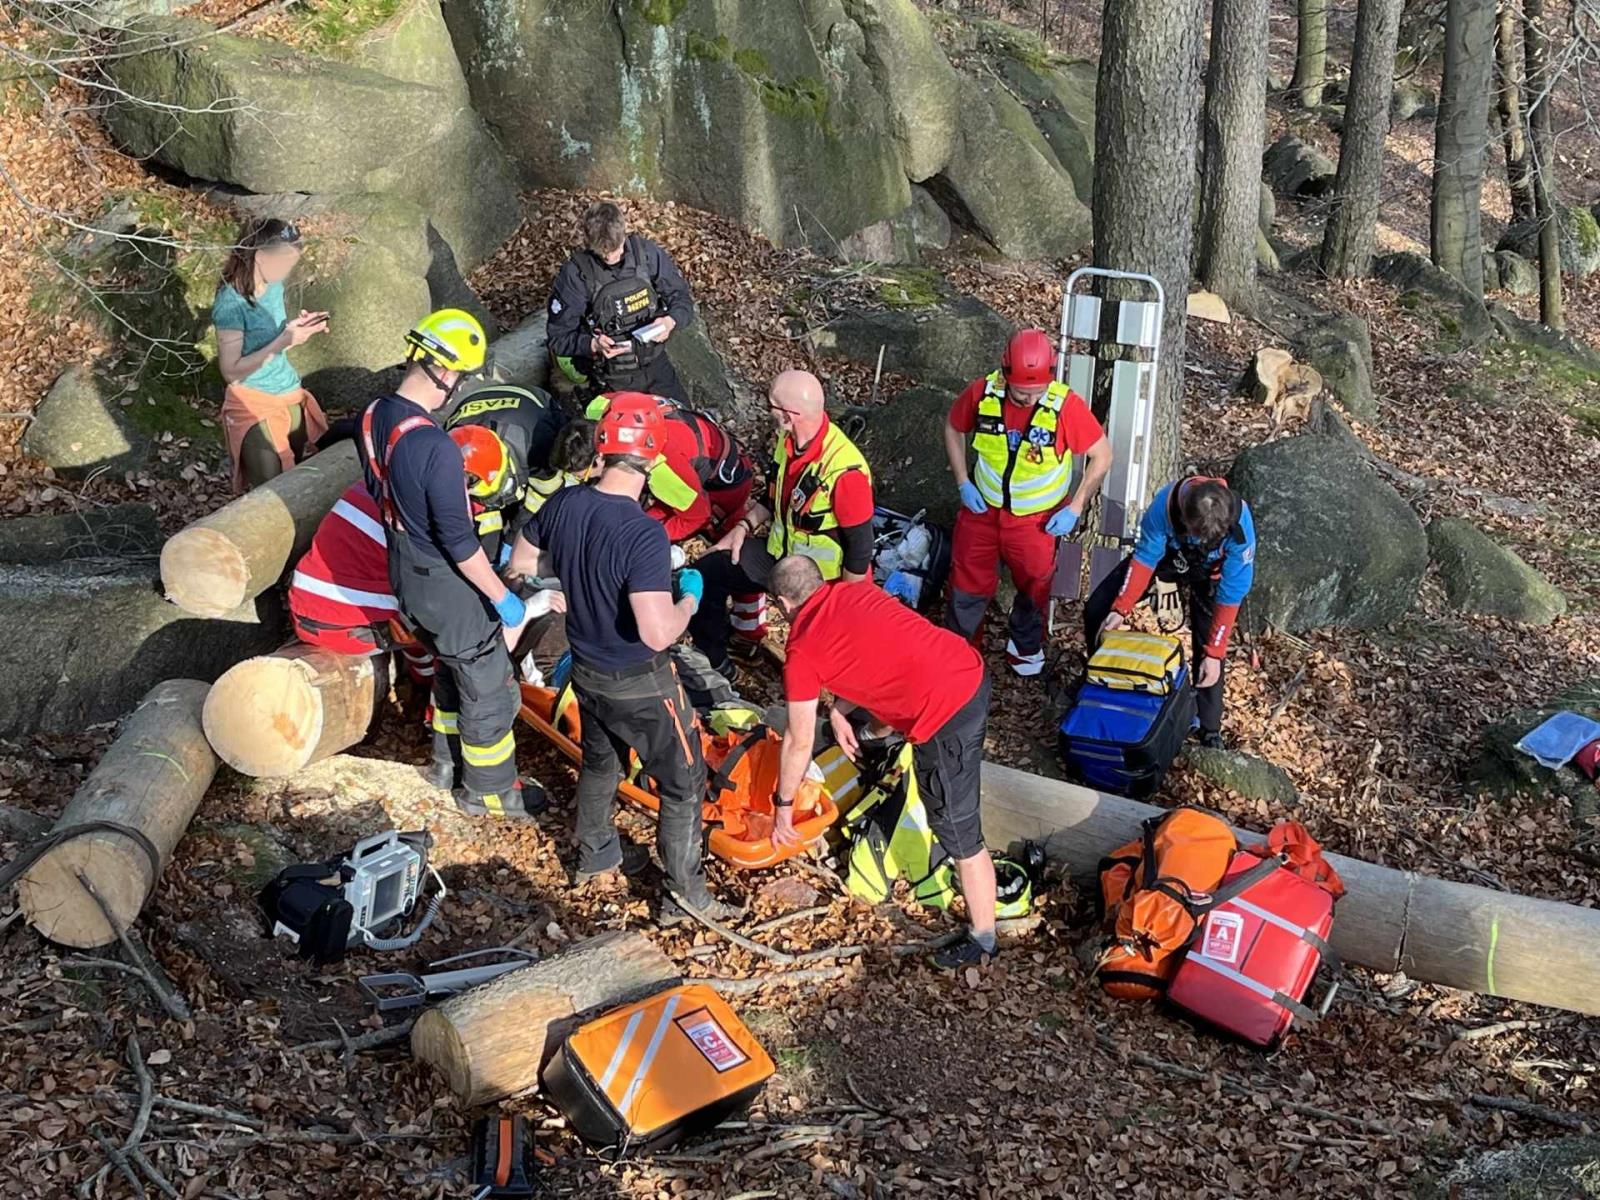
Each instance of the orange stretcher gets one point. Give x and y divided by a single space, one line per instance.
741 777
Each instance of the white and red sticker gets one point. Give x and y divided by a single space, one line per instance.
1224 932
712 1040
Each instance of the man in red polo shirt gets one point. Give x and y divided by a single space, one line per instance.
874 653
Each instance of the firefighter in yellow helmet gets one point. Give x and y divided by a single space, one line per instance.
444 582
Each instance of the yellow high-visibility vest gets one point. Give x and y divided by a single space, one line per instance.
803 521
1032 478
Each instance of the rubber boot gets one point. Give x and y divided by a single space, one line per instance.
526 800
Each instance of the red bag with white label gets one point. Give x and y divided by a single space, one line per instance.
1256 954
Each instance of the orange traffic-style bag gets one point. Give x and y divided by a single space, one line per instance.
1155 890
651 1073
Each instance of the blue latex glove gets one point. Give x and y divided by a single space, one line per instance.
972 498
510 608
1063 523
688 582
504 556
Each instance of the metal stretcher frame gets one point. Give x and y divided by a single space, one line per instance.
1129 415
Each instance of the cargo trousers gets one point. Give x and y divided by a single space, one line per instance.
641 710
475 698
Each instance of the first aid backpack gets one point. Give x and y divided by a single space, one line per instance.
1256 953
651 1073
1130 661
1122 741
911 557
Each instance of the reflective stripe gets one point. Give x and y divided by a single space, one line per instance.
1271 918
621 1051
445 722
332 591
649 1058
491 522
747 624
491 801
1036 484
352 514
1230 974
489 756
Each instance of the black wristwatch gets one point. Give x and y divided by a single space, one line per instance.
780 803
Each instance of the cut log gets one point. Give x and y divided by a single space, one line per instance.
1270 363
268 717
1455 934
214 565
150 779
493 1041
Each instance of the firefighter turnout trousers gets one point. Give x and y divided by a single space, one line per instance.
475 698
982 542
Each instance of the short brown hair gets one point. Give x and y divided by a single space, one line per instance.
1207 510
604 227
574 447
638 464
795 579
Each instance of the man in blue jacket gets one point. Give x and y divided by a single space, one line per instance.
1199 535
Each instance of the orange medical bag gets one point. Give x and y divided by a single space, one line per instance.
649 1074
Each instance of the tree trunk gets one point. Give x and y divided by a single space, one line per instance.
151 779
493 1040
1145 146
269 717
216 564
1311 52
1536 42
1455 934
1508 64
1235 130
1348 241
1461 136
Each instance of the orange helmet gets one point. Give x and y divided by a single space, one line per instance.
484 457
632 424
1029 360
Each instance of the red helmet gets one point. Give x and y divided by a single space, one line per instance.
484 457
632 424
1029 360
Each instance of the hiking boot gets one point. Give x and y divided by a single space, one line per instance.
1211 739
525 800
634 860
673 912
1025 665
965 953
441 774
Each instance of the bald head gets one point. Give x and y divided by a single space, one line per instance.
794 580
796 401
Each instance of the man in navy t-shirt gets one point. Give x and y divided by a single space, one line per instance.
624 612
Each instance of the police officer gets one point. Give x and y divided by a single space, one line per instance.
819 505
1198 534
615 303
1025 428
444 582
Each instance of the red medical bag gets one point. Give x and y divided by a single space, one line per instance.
1254 957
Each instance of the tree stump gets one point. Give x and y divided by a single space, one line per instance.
151 779
268 717
493 1041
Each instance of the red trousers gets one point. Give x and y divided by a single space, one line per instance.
982 542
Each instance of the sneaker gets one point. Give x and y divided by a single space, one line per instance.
1025 665
672 912
965 953
1211 739
441 774
634 860
526 800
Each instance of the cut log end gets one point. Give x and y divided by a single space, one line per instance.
205 572
269 717
62 910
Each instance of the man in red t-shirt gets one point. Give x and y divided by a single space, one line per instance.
1017 501
875 654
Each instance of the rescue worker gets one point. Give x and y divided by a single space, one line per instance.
625 609
1025 427
874 653
1199 535
444 582
819 504
701 484
615 303
507 436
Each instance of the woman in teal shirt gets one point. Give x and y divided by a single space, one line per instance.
269 418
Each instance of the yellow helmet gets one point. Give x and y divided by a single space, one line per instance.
450 338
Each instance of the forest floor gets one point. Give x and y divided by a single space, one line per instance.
894 1079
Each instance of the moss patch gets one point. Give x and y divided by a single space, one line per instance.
910 287
804 97
661 12
332 26
1540 371
1023 45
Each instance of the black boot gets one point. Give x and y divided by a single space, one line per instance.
525 800
441 774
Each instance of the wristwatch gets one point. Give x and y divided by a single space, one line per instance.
779 802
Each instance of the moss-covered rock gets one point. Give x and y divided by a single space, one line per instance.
1579 240
930 224
1503 769
1482 576
1412 102
1249 776
412 45
1340 349
1335 545
945 344
700 369
1515 274
904 442
1466 320
1298 169
919 87
80 427
1060 99
271 119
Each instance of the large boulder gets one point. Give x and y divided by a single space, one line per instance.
946 344
100 635
1060 98
700 369
1519 329
916 81
271 119
80 428
756 110
1482 576
1514 274
1579 240
903 440
124 530
1335 545
1461 313
1340 348
1298 169
413 46
930 224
